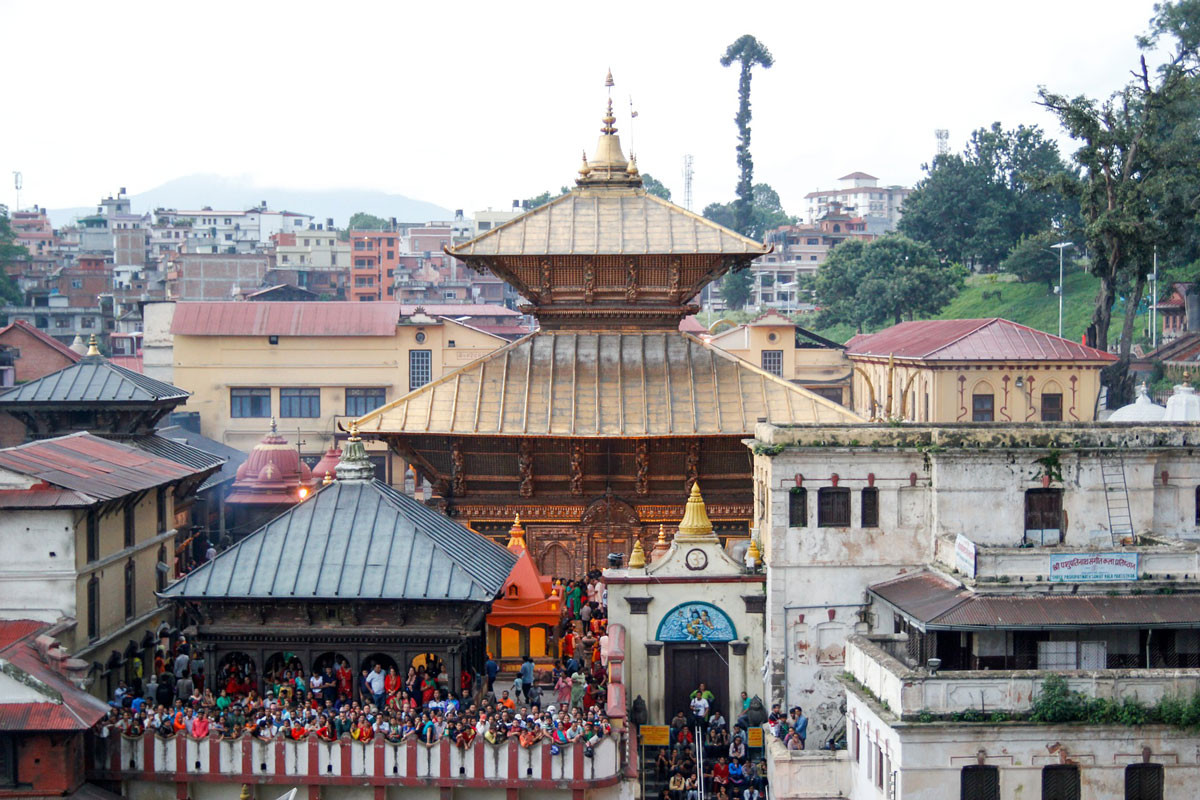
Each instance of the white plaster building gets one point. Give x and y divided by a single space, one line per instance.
249 231
861 194
692 615
992 557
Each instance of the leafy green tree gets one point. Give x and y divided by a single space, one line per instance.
974 208
1034 261
542 199
766 213
1138 189
655 187
736 288
884 281
362 221
749 53
10 253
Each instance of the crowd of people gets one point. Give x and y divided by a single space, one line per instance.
727 770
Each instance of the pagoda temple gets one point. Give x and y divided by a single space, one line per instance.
593 427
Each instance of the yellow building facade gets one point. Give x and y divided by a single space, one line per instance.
779 346
990 370
313 367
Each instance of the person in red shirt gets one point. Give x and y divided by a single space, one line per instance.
345 680
721 772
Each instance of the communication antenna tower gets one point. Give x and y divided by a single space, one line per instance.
687 181
943 141
17 186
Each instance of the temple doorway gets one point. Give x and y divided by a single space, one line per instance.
608 526
689 665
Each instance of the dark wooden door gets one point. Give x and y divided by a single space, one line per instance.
689 665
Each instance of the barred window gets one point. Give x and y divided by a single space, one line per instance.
1060 782
420 368
772 361
1144 782
980 782
300 403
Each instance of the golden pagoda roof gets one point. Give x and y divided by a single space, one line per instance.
601 384
602 220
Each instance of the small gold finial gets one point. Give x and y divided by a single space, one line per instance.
632 168
753 552
637 559
354 430
516 535
585 170
273 428
662 534
695 524
608 81
328 479
93 346
245 795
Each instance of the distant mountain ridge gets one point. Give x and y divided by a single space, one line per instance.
238 193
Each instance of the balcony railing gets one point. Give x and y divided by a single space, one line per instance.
314 761
911 692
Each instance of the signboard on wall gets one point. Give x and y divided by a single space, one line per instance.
964 555
1084 567
655 735
754 737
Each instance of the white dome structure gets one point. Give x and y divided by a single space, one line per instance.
1183 405
1143 409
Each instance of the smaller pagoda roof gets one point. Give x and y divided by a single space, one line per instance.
354 540
93 379
608 221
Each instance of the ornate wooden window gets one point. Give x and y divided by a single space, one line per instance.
130 589
980 782
1144 782
833 507
1052 408
870 507
797 507
983 408
1060 782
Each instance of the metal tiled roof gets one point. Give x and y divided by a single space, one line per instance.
355 540
302 318
93 379
65 707
230 458
608 222
991 339
595 383
935 603
90 468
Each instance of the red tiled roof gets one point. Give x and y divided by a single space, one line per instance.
305 318
991 339
82 469
854 175
49 341
71 710
690 324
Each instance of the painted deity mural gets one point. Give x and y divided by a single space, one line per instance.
696 622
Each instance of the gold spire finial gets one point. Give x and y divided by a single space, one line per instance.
93 346
274 429
328 479
245 795
353 430
608 81
609 128
753 552
662 546
695 524
637 559
585 170
662 533
516 535
632 168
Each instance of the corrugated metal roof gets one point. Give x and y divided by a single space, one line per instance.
582 384
301 318
355 540
991 339
607 222
66 707
93 380
938 604
231 458
94 468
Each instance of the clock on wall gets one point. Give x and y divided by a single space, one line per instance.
696 559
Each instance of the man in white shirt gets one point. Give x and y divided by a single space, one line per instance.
699 709
375 684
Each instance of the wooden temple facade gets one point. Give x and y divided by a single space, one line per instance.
594 427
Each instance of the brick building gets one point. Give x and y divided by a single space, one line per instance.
208 276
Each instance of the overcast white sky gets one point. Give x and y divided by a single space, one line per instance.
470 105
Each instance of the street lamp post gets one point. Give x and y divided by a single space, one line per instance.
1060 247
